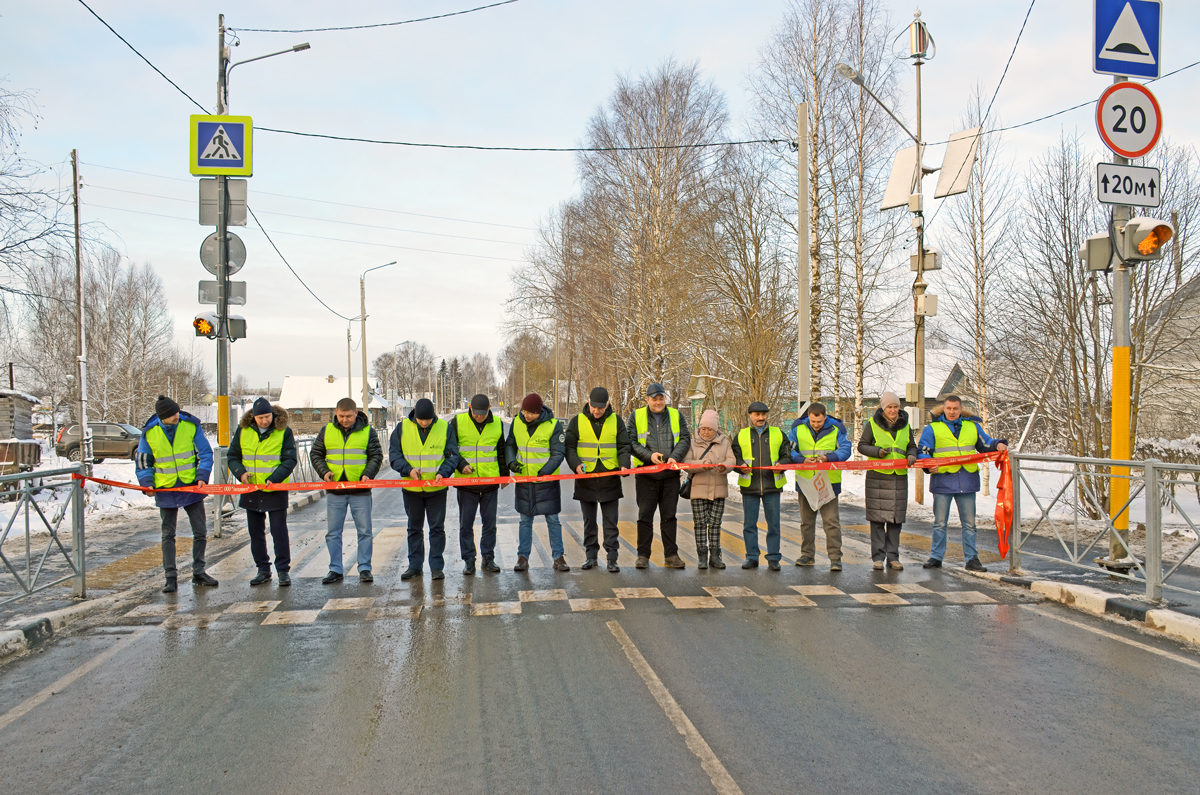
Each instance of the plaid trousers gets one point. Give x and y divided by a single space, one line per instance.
706 515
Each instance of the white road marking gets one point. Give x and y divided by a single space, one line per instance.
1095 630
720 777
66 681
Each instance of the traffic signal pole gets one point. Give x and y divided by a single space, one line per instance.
223 407
919 285
1120 447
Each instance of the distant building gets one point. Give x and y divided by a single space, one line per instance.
311 399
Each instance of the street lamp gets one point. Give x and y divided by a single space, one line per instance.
362 293
224 413
921 49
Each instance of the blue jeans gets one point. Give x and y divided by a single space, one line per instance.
941 517
421 506
525 535
335 519
770 505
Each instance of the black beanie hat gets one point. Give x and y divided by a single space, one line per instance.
424 409
262 406
165 407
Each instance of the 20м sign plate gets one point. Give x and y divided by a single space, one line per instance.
1129 119
1128 185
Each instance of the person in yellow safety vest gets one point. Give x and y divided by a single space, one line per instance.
263 451
422 448
174 451
537 446
818 438
660 434
946 436
760 445
597 441
479 436
347 450
887 435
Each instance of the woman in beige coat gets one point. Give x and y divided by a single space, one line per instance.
710 487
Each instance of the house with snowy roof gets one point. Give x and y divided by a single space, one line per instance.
311 399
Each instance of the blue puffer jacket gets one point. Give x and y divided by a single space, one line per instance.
145 462
962 481
832 425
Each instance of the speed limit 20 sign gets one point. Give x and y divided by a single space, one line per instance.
1129 119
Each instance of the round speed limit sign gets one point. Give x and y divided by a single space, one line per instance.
1129 119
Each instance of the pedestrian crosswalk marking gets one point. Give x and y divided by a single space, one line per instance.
788 600
252 607
496 609
694 602
817 590
351 604
580 605
729 590
638 593
903 587
552 595
879 599
292 617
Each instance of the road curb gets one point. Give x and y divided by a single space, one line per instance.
305 500
1097 602
43 627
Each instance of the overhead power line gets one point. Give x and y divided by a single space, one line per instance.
289 266
377 24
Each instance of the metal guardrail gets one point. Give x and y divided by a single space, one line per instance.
23 489
1154 488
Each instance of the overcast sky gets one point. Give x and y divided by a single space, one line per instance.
530 73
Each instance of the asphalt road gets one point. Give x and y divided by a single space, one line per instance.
797 681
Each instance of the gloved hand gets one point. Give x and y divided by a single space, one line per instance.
912 459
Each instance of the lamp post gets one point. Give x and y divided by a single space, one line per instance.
362 294
224 410
921 48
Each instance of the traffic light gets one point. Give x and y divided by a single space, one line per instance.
206 325
1144 239
1096 254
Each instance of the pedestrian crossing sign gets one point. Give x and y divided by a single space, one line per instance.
221 146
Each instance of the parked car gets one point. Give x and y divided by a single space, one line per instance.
109 440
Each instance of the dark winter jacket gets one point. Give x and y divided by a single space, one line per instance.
145 462
887 494
396 452
264 500
832 425
539 499
597 489
463 462
762 481
659 440
962 481
374 453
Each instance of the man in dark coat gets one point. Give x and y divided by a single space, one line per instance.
263 451
337 456
536 445
173 452
479 424
658 434
597 441
886 435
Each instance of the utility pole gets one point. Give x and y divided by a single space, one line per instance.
362 341
918 43
349 371
1119 444
85 433
223 406
803 254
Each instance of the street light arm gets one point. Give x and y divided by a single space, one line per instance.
297 48
377 267
855 77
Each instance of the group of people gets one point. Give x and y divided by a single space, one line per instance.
473 445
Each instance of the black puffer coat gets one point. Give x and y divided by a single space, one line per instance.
538 499
264 500
887 495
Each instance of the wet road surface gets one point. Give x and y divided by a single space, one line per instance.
646 681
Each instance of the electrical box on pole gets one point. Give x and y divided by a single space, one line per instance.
1096 253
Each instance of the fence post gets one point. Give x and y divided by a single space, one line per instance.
1014 535
77 534
1153 530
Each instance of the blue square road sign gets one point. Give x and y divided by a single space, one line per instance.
221 145
1127 38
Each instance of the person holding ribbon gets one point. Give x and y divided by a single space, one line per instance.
480 439
347 450
818 438
709 487
263 451
886 435
174 451
422 449
661 436
760 445
537 446
948 435
598 442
